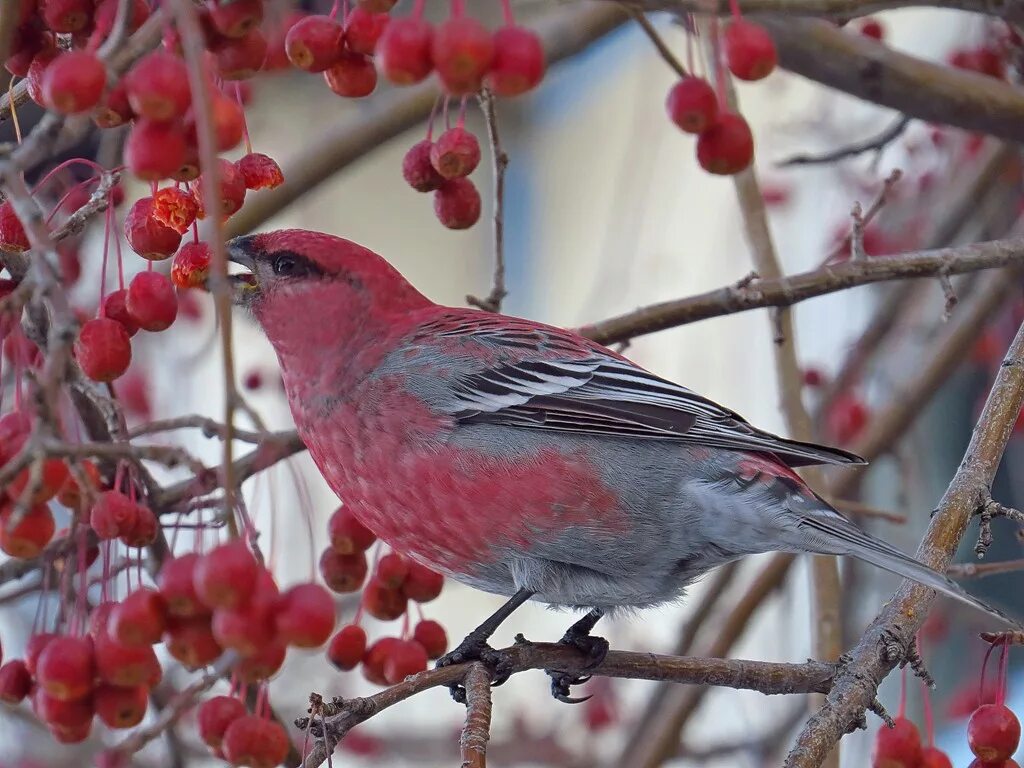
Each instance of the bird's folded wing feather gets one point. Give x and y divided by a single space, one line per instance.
540 377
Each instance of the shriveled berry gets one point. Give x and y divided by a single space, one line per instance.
29 537
692 105
347 534
347 647
993 733
179 593
113 514
259 171
392 570
119 707
314 43
191 265
255 742
154 150
403 50
174 208
353 75
897 747
432 637
422 584
455 154
139 619
191 642
215 715
147 236
12 233
727 147
749 50
157 86
382 602
363 29
462 51
305 616
66 668
242 57
417 170
103 349
152 301
15 682
457 204
518 64
406 658
74 82
343 573
236 18
225 576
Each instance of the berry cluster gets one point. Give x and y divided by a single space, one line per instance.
901 745
104 664
725 145
393 583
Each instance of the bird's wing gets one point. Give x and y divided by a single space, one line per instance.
541 377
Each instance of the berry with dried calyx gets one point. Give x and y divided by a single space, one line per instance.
191 642
148 237
103 349
727 147
113 108
236 18
347 534
457 204
993 733
122 665
232 190
157 86
314 43
417 169
363 29
74 82
692 105
403 51
151 301
139 619
518 64
176 586
422 584
66 668
155 150
455 154
260 171
255 742
749 50
382 602
347 647
343 573
462 51
191 266
30 536
36 72
119 707
432 637
392 570
352 75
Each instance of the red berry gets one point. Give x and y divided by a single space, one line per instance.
121 707
343 573
106 14
376 657
54 474
363 29
15 682
518 64
406 658
246 630
897 747
66 668
144 532
139 619
147 236
457 204
874 29
123 665
462 52
382 602
347 647
177 588
376 6
34 648
28 42
255 742
226 576
155 151
417 170
151 301
215 715
352 75
242 57
236 18
347 534
749 50
403 50
422 584
191 265
62 713
263 664
103 349
455 154
29 537
305 616
74 82
432 637
846 418
66 16
12 233
993 733
692 105
174 208
314 43
36 72
934 758
191 642
113 108
98 619
228 123
232 190
259 171
71 734
157 86
113 515
253 380
727 147
392 570
813 377
70 495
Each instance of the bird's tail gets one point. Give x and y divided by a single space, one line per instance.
828 532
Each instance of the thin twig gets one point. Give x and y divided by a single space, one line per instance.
980 570
499 162
874 144
651 31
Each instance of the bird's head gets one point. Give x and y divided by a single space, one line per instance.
294 273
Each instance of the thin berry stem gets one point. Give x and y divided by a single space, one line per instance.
107 234
1003 665
984 666
112 228
734 6
506 10
458 8
245 122
461 122
334 9
417 9
903 694
433 117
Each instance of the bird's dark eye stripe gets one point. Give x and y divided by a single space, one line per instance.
291 264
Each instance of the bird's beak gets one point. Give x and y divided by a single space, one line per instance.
244 285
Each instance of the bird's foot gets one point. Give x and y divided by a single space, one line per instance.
475 648
594 649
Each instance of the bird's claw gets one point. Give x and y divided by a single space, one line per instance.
594 650
561 686
473 648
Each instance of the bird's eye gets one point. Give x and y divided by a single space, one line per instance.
285 265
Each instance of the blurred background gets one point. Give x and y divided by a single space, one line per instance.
607 211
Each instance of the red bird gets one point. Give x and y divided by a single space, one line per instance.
524 459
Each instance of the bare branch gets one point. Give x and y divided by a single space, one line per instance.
477 731
499 161
874 144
